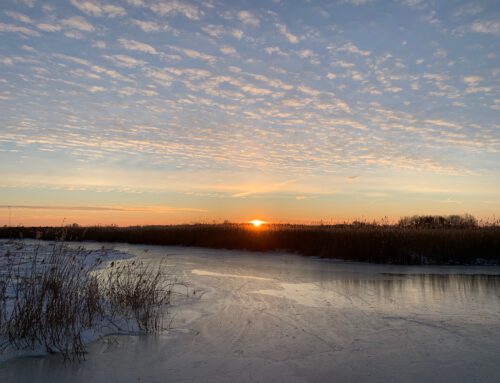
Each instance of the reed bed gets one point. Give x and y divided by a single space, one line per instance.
413 240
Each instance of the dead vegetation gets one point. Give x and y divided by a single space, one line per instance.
55 299
451 239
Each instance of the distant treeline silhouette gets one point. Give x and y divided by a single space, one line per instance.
465 221
413 240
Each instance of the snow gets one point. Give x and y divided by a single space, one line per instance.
20 258
257 317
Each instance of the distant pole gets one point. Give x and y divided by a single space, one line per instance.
10 216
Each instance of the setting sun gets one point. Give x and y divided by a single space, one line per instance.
257 222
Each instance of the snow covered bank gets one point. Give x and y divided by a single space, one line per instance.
57 298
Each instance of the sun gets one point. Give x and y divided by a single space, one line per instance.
257 222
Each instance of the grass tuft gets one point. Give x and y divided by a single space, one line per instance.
52 300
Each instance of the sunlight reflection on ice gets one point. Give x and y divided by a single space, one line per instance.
432 291
213 274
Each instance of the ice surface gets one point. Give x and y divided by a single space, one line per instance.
254 317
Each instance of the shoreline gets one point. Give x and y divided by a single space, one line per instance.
376 244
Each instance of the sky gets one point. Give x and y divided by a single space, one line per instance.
161 112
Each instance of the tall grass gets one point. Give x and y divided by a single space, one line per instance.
137 291
52 300
450 241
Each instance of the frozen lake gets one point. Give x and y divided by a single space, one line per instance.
254 317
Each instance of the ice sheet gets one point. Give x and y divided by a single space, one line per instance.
248 317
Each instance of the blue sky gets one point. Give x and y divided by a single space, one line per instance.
173 111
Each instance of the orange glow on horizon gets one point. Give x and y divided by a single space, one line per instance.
257 222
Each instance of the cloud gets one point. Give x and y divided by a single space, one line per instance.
343 64
16 29
133 45
48 27
55 207
229 50
114 10
95 68
99 44
237 33
310 55
191 73
255 91
152 209
347 122
352 48
28 3
342 105
136 3
285 32
417 4
147 26
174 7
160 76
440 53
6 61
194 54
486 26
4 96
264 189
214 30
88 7
73 59
28 48
468 10
275 83
93 8
125 61
472 80
248 18
74 34
78 23
295 102
96 89
356 2
306 53
443 123
308 90
478 89
218 31
275 50
19 17
224 98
